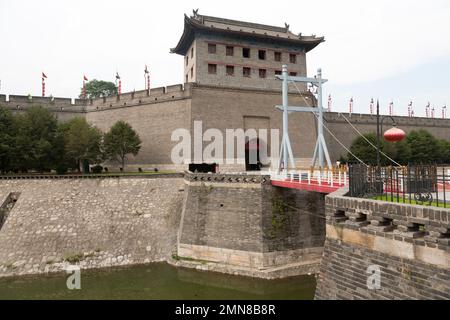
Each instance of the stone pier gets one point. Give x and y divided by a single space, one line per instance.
239 223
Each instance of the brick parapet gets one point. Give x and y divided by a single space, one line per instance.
420 225
368 119
143 97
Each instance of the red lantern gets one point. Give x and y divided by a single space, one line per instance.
394 135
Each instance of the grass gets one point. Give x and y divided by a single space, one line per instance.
136 173
399 199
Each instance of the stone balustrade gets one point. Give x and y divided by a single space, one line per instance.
227 178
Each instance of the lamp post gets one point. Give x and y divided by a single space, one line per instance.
393 135
379 130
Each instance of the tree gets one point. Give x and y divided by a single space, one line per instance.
82 141
424 147
99 88
7 135
418 147
367 153
35 140
120 141
444 151
403 152
363 150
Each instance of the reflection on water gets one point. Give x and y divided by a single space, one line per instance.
156 281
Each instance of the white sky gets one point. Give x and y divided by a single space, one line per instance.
397 50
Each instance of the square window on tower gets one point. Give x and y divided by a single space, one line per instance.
262 54
277 56
246 72
212 48
246 52
230 70
262 73
230 51
292 58
212 68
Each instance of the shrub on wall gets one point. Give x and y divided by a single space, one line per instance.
97 169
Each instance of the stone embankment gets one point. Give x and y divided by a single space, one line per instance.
94 223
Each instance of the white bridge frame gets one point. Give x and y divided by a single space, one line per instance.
320 150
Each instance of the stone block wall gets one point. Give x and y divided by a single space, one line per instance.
97 222
408 244
242 220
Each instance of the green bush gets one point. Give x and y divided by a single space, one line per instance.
61 169
97 169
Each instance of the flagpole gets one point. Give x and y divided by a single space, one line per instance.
350 107
43 76
84 94
147 78
119 87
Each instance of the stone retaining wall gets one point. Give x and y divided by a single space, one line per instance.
242 221
91 222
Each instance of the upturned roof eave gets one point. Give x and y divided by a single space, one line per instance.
190 27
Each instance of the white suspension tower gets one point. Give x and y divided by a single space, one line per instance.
320 150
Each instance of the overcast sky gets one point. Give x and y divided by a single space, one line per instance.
397 50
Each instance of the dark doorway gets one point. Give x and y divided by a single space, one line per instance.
252 146
203 167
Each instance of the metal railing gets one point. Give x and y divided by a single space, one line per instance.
335 177
416 184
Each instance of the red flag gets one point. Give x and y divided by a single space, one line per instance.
43 75
84 78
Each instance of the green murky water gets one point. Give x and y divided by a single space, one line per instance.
157 281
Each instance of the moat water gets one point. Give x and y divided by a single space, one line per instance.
157 281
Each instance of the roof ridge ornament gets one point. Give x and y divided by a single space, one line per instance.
286 26
195 13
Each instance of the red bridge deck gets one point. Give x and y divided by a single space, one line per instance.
314 186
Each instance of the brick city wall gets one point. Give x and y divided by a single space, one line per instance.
230 108
63 108
95 223
154 117
242 220
410 244
156 113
